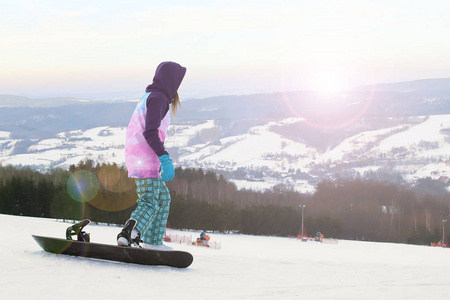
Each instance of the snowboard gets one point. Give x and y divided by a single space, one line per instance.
84 248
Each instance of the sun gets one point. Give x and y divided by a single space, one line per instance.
329 81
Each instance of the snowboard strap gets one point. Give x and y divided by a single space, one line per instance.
77 229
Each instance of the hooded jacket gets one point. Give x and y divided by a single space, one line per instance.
147 128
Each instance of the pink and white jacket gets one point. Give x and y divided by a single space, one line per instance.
148 126
141 160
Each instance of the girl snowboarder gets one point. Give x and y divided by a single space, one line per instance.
146 157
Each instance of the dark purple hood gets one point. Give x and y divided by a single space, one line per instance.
168 77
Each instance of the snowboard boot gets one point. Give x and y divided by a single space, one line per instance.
129 236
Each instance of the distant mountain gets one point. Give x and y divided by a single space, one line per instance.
234 113
424 85
296 138
44 122
20 101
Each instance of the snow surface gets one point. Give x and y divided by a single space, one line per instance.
5 134
247 267
426 131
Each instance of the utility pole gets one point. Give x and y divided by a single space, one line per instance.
443 233
303 208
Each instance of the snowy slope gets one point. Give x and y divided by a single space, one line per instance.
255 148
102 144
428 131
355 144
247 267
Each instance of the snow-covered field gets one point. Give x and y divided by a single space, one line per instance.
414 150
246 267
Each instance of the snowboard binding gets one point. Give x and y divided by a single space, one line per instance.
129 236
77 229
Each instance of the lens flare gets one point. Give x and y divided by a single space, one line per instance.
82 186
331 115
117 191
109 177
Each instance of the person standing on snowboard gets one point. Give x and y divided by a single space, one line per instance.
148 161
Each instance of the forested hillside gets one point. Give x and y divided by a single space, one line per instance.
350 209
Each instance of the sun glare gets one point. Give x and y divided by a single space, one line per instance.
329 82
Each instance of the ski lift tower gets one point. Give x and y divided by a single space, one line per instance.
302 206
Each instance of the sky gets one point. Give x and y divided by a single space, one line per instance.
50 47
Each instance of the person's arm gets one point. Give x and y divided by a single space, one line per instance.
157 107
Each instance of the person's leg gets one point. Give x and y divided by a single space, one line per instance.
148 190
155 233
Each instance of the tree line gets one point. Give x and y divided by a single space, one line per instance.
350 209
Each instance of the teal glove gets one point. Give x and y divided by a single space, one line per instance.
168 172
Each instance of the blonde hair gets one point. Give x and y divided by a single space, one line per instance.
175 104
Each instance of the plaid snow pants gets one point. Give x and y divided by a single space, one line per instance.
153 209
